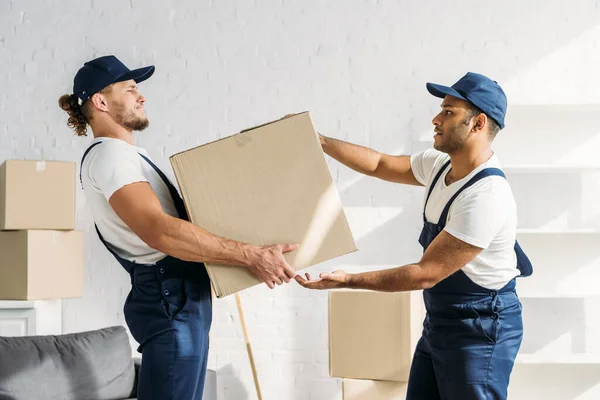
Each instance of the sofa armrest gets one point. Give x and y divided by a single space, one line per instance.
137 362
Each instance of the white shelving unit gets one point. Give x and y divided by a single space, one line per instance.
543 141
17 318
566 360
539 142
30 317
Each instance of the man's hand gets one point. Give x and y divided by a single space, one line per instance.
269 265
335 280
321 139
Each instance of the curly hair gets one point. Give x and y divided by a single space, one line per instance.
79 115
77 120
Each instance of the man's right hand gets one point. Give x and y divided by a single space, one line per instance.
321 139
269 265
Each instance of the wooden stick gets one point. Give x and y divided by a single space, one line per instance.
212 307
248 347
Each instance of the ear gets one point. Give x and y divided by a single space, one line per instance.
479 123
99 101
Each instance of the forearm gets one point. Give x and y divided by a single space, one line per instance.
186 241
408 277
359 158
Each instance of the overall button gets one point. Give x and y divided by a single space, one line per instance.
162 270
166 292
494 316
492 294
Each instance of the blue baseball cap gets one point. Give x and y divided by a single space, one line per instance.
478 89
98 73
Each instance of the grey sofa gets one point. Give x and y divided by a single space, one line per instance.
94 365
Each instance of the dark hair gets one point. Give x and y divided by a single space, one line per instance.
493 128
79 115
77 120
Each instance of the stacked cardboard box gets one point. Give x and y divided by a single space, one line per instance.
41 255
372 336
362 389
269 184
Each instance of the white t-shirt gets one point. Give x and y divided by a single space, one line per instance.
107 168
483 215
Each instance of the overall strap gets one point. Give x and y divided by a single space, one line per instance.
437 178
128 265
83 158
480 175
111 251
177 200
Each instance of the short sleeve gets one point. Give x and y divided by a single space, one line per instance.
112 166
425 163
477 218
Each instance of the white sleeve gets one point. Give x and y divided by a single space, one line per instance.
477 218
425 163
113 166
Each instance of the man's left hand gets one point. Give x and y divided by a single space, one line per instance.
334 280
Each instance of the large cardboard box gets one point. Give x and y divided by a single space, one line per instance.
37 195
266 185
372 335
41 264
358 389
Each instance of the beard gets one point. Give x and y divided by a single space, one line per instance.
128 119
454 139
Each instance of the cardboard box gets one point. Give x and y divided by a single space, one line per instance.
372 335
266 185
355 389
41 264
37 195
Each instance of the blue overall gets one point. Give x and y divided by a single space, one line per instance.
471 335
168 312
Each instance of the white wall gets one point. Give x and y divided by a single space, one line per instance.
360 67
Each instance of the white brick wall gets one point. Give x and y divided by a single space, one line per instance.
359 66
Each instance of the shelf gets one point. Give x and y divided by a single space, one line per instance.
543 231
560 359
565 263
547 169
14 304
522 166
563 108
524 295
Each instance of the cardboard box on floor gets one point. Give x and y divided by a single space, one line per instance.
266 185
37 195
372 335
41 264
358 389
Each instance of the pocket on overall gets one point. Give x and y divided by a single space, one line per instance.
173 296
486 320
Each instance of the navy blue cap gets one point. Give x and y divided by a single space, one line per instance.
480 90
97 74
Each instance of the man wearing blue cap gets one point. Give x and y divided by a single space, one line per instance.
142 221
473 327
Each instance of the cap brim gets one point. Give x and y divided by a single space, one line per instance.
138 75
443 91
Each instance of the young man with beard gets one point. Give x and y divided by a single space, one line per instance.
142 221
473 328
